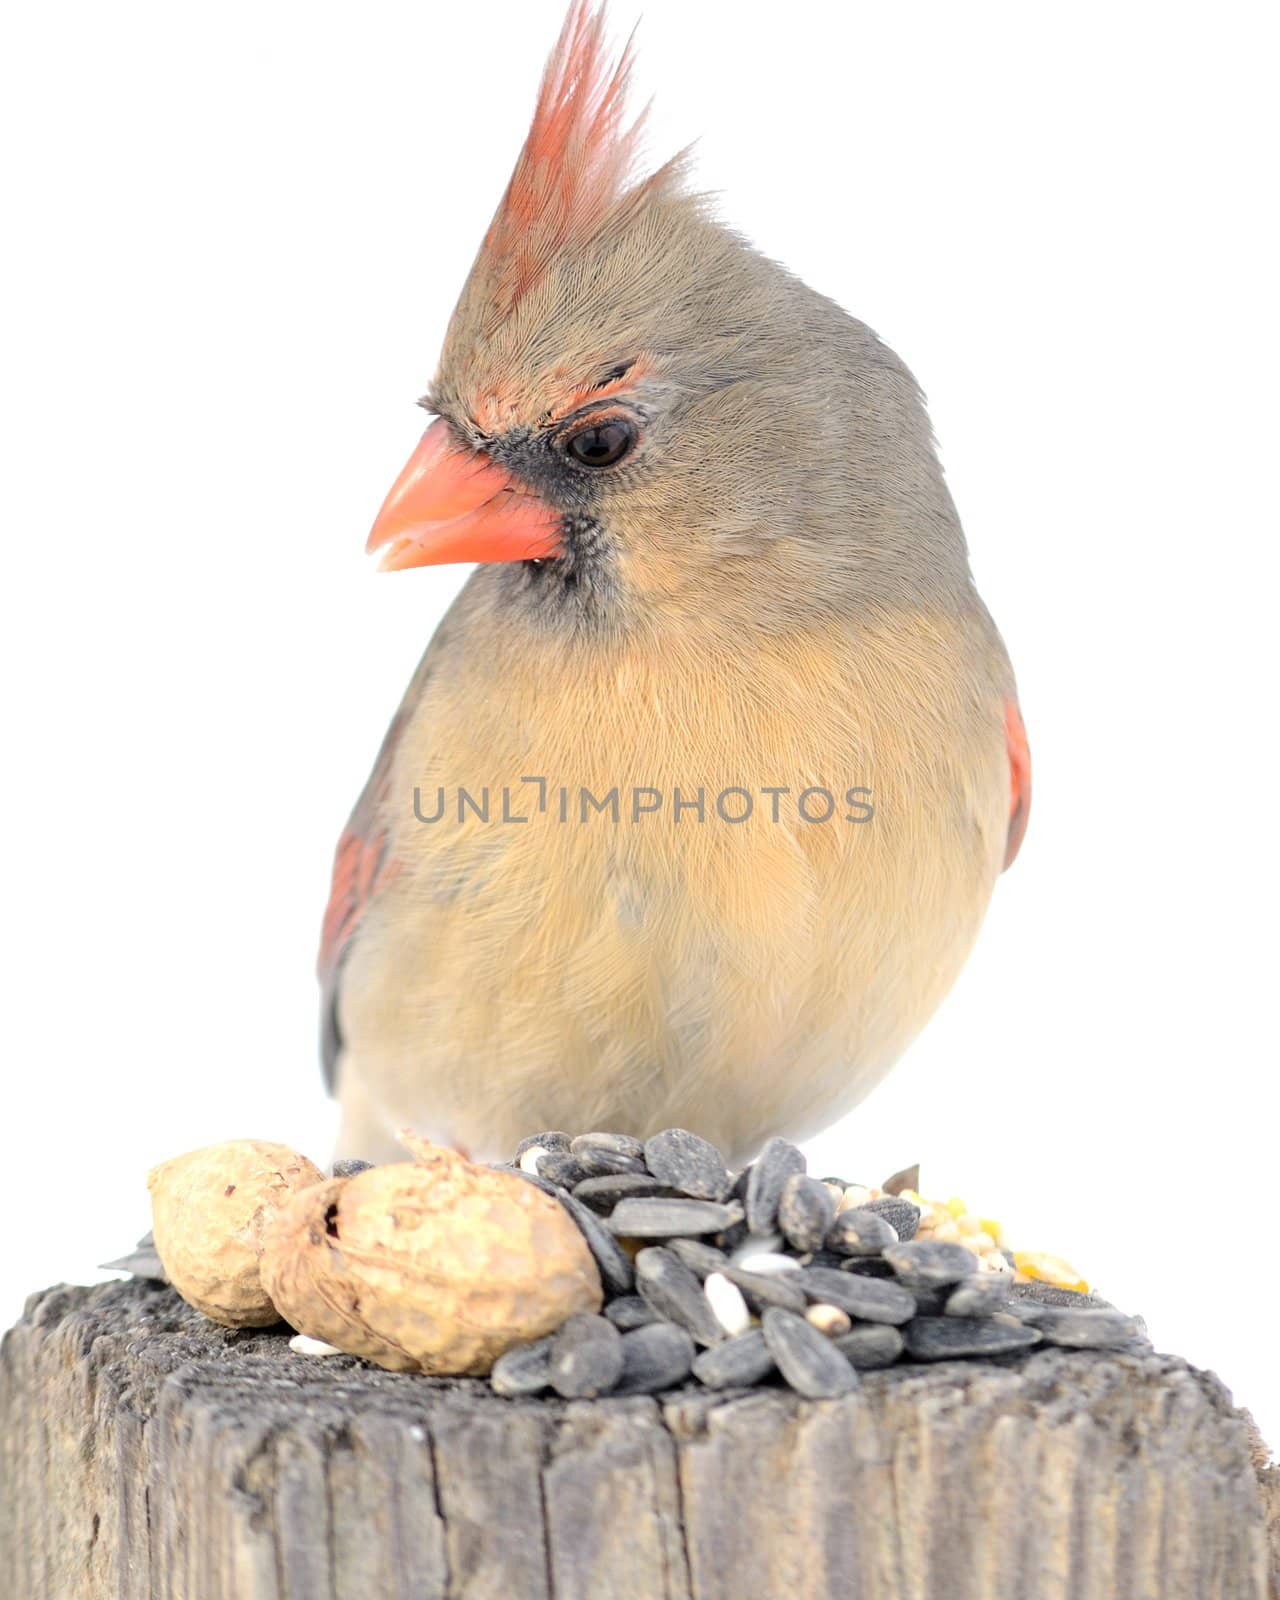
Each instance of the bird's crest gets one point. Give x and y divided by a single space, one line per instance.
577 167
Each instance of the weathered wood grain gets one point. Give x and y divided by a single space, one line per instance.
146 1453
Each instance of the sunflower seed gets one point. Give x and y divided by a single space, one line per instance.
868 1299
901 1215
613 1261
524 1369
1086 1329
600 1160
675 1293
603 1193
350 1166
929 1263
768 1289
870 1344
629 1312
561 1168
862 1266
702 1258
607 1163
687 1163
806 1210
736 1363
808 1360
553 1189
663 1219
859 1232
941 1338
586 1357
618 1144
143 1261
547 1141
654 1358
768 1174
978 1296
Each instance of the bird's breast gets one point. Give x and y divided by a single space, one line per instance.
655 862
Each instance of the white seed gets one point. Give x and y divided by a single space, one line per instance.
529 1160
766 1262
854 1195
829 1320
305 1345
725 1299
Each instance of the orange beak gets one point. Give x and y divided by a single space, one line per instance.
449 504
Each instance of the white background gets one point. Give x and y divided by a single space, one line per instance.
234 237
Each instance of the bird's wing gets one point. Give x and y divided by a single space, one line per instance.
1015 736
362 866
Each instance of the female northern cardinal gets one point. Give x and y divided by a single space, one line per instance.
693 807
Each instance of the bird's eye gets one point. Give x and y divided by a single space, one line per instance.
601 443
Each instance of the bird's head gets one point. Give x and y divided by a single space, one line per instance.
630 396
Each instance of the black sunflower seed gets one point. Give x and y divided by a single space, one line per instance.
761 1289
1086 1329
665 1219
901 1215
654 1358
603 1193
859 1232
979 1296
526 1369
806 1210
930 1263
702 1258
616 1272
630 1311
618 1144
807 1359
941 1338
870 1344
868 1299
768 1174
685 1162
675 1293
736 1363
586 1357
562 1169
548 1142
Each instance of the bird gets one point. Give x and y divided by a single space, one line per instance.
694 805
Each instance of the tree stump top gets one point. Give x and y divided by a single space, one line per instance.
147 1452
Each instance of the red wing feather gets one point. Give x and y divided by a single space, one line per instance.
361 866
358 870
1019 779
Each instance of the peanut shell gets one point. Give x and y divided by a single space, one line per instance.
209 1210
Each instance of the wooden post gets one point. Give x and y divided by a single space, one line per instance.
145 1452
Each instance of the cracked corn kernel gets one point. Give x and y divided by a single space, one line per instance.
1045 1268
